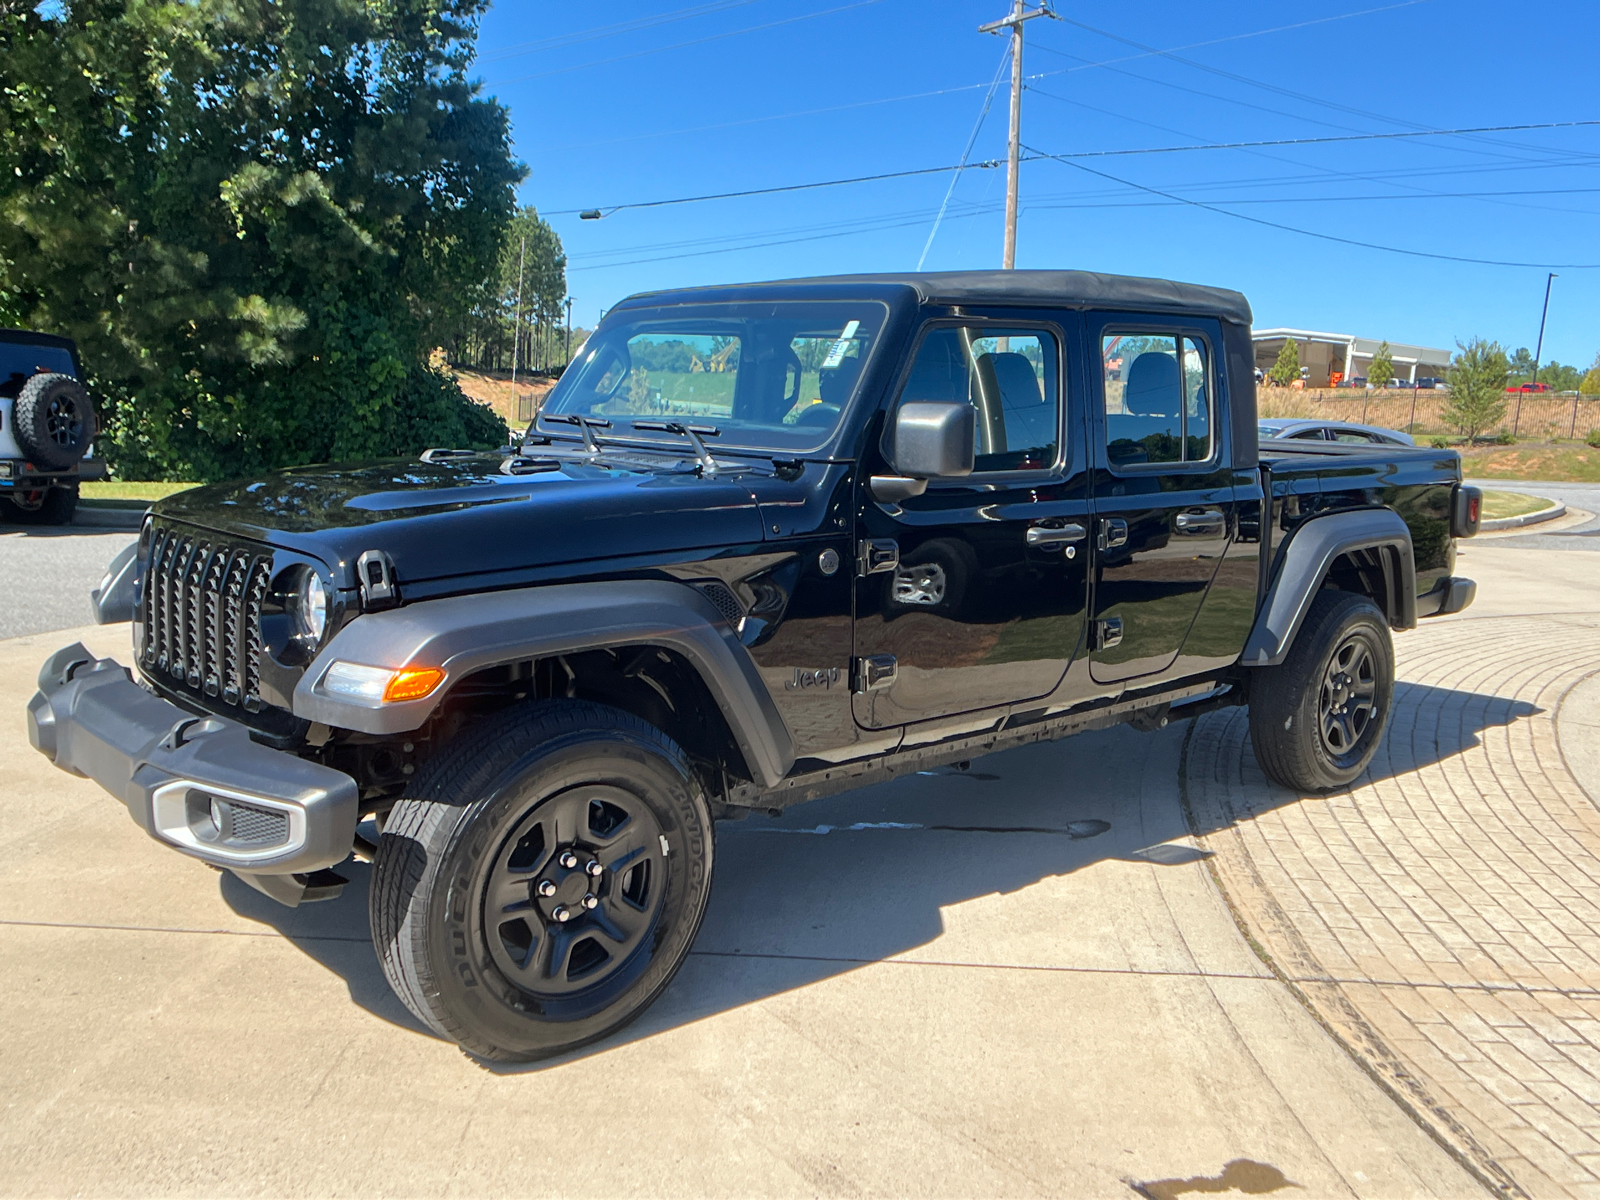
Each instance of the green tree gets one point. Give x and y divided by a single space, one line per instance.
530 278
256 217
1591 381
1522 365
1287 369
1381 372
1477 379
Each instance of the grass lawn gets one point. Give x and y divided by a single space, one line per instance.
115 494
1499 505
1555 462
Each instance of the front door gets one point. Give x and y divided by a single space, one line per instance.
1163 501
973 594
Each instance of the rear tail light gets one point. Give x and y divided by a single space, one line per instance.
1466 510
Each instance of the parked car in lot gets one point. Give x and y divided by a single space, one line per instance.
1529 387
1431 382
47 428
1332 431
909 520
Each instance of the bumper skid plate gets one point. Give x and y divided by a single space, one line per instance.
197 783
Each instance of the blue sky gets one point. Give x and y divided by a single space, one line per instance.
656 99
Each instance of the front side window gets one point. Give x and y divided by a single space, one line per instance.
767 376
1158 400
1009 376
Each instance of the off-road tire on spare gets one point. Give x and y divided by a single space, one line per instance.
55 507
1343 635
448 861
55 421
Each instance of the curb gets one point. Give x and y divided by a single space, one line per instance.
1556 509
110 518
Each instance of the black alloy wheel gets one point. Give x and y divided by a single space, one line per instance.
543 879
1317 720
570 897
1346 705
63 420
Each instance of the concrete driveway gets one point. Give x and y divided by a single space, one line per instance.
1028 978
1019 980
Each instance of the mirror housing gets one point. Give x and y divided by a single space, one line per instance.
935 440
932 440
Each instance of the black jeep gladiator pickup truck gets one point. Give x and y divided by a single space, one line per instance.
763 543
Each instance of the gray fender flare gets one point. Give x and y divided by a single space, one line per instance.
1306 559
463 634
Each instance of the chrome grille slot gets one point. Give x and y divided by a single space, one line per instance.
201 610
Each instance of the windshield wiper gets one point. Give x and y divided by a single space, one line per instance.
586 426
708 465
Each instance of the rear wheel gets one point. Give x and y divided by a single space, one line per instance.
543 881
42 506
1316 720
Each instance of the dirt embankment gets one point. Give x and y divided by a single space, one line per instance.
494 389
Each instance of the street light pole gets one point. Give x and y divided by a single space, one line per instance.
1538 350
516 327
569 332
1008 258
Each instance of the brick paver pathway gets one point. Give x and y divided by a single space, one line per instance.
1442 917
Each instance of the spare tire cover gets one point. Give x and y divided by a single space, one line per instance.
54 421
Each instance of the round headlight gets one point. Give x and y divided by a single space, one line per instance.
311 608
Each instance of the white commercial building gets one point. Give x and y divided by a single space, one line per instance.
1330 358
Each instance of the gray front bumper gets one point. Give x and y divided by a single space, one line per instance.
198 784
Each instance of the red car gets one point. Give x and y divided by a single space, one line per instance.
1529 387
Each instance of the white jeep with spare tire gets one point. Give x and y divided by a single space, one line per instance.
47 428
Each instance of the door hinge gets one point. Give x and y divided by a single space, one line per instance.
1107 633
874 555
1113 532
872 672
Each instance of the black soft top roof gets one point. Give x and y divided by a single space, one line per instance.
1074 289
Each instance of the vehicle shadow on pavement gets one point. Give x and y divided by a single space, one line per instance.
856 879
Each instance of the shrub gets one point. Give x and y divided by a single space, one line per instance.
1593 439
1439 443
1477 387
1504 439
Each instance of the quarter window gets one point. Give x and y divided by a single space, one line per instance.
1009 377
1157 397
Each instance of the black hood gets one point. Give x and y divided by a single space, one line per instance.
469 515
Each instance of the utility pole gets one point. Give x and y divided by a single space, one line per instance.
516 327
1014 150
1538 349
569 330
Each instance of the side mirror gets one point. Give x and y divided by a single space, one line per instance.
932 440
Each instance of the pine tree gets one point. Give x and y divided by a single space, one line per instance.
1287 369
1477 379
1381 373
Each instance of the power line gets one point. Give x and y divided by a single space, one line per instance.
1327 237
715 37
1033 156
955 175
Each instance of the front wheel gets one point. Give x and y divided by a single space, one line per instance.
543 880
1316 720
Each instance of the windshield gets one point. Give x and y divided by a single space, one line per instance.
762 376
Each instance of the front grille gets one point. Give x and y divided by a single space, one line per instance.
202 615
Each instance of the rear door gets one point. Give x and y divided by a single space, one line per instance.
973 594
1163 501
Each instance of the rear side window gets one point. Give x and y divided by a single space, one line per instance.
1010 377
1158 398
19 362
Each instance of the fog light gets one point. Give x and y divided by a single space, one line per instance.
216 814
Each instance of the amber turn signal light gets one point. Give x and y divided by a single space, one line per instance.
412 683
